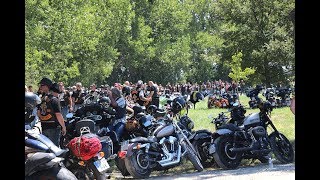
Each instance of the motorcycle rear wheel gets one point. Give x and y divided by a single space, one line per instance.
282 148
121 166
137 164
223 156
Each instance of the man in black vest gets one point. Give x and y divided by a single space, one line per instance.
49 112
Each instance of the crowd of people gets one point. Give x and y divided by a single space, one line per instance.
58 100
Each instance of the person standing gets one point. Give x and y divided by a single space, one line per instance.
153 95
118 103
77 97
65 100
49 111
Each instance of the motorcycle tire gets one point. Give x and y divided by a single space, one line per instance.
281 147
137 164
56 172
263 159
121 166
223 156
191 155
206 160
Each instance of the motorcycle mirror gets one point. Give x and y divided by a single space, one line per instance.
69 115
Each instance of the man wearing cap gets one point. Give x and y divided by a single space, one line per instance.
49 111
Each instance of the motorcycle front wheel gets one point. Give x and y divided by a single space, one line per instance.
206 159
138 165
223 155
191 155
281 147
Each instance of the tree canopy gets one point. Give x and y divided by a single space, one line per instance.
107 41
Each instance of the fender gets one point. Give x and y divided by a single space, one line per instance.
224 131
202 134
130 148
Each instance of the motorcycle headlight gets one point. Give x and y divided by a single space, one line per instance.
190 125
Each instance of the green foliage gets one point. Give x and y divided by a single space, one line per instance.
236 71
164 41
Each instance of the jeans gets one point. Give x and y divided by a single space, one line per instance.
76 107
64 111
53 134
118 129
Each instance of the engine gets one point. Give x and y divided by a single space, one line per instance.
171 150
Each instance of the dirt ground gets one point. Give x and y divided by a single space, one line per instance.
256 172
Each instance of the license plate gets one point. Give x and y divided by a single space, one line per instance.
101 164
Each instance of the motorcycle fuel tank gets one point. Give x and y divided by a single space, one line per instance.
251 119
163 131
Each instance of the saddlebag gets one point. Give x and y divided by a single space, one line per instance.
85 147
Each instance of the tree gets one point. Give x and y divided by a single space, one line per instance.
236 71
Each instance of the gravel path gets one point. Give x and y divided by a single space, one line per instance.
256 172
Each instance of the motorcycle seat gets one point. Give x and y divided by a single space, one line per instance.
159 114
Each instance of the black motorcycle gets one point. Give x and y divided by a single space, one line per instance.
249 139
80 129
162 150
283 95
253 94
43 159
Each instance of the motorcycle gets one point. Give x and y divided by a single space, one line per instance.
284 97
89 155
162 150
249 139
43 159
255 100
270 96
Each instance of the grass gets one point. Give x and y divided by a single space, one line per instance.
282 118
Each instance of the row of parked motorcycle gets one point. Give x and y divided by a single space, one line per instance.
155 140
278 97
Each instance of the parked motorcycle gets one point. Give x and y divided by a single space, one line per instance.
271 97
250 139
162 150
284 99
89 153
253 94
43 159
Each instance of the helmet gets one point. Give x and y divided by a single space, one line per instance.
137 110
105 101
31 100
152 109
178 104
